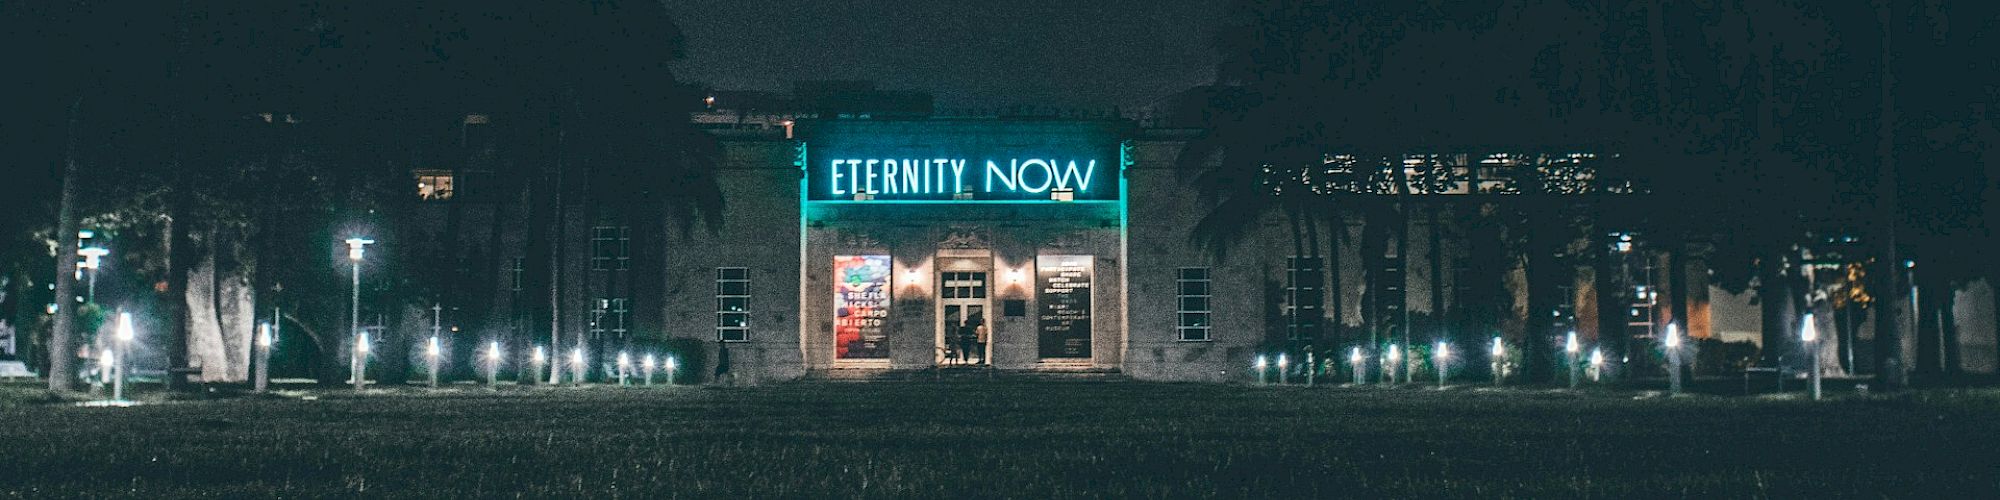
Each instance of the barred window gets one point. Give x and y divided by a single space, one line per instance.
1193 293
612 315
517 274
732 304
609 248
1303 294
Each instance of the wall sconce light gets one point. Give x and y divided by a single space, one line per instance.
1015 276
913 276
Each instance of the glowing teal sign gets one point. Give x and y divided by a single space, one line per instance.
1009 178
956 161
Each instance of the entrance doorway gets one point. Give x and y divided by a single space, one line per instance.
964 337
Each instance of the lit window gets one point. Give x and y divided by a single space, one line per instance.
732 304
611 316
1193 295
434 185
609 248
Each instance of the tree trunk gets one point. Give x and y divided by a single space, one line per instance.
1890 371
1541 339
62 351
1610 286
1438 271
1774 295
180 260
1336 285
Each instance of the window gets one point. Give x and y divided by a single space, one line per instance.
1193 294
1303 294
610 317
608 248
434 185
517 273
964 285
732 304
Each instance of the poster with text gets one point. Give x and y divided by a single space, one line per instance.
861 306
1062 287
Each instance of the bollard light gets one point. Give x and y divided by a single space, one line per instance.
1596 364
1570 345
1673 343
493 351
576 356
1499 348
1443 356
1284 376
432 349
361 344
264 335
647 363
540 356
125 331
624 360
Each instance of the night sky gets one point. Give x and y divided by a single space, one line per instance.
1080 54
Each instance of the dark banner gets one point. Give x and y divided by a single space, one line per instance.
860 306
1062 287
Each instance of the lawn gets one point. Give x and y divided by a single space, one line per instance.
1025 439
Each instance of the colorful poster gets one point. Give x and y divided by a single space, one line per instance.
1062 287
861 306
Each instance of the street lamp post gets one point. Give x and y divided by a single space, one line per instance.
1570 350
92 258
493 364
1673 342
355 247
264 341
125 334
1810 334
1360 366
1499 355
1442 355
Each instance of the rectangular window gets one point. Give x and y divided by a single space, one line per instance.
1193 295
434 185
610 317
517 273
609 248
732 304
1303 295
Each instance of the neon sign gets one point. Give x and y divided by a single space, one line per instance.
949 176
960 160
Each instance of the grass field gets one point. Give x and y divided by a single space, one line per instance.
1007 439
